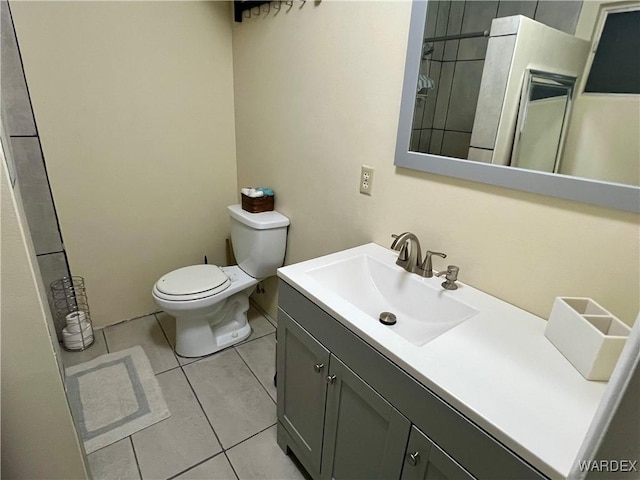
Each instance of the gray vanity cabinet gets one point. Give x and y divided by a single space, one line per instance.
425 461
303 365
364 436
339 426
348 412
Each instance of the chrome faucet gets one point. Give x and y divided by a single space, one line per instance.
410 256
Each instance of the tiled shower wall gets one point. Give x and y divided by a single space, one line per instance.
444 119
30 169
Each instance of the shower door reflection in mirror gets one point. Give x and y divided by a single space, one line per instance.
542 121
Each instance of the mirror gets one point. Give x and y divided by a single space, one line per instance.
473 98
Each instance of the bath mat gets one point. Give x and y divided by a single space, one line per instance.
114 396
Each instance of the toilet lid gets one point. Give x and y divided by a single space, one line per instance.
209 279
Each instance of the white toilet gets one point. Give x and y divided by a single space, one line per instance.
210 303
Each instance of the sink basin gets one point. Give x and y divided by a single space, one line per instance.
423 309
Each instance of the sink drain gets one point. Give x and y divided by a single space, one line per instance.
387 318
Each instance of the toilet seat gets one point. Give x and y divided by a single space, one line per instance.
192 283
178 303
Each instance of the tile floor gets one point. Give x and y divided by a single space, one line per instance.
223 410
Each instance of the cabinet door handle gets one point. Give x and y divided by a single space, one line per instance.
413 458
318 367
331 379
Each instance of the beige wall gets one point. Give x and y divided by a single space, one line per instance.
318 93
134 105
38 436
136 120
602 140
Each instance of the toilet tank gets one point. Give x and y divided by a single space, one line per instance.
259 240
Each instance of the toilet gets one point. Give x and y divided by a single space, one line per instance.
210 303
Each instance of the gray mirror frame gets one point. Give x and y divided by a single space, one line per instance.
605 194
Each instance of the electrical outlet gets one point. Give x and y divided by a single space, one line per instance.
366 179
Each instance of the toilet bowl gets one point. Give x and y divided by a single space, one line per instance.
210 303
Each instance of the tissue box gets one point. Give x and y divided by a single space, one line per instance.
589 336
258 204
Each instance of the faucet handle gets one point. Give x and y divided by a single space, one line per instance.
426 268
439 254
396 237
451 275
403 256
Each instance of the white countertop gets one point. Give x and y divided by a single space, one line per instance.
497 368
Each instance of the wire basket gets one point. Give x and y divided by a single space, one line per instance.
72 309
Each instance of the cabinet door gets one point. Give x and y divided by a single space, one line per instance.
303 364
426 461
364 436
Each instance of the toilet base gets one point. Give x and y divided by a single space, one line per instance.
197 337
